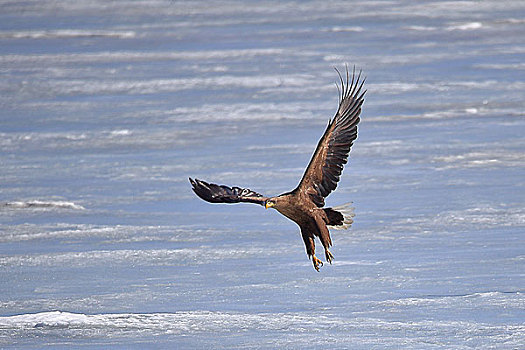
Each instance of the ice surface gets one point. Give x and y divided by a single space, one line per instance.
44 204
107 107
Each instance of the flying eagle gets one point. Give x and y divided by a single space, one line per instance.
304 205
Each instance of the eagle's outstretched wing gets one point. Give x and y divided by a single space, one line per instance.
331 154
223 194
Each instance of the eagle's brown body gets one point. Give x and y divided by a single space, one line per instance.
312 221
304 205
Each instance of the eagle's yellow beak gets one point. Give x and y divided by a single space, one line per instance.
268 204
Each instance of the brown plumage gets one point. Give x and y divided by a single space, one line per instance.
304 205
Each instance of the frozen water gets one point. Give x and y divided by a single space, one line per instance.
108 106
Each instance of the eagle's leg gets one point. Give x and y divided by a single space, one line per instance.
310 250
316 262
328 255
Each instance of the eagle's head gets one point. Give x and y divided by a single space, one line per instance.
270 203
279 203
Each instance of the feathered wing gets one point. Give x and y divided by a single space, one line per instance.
223 194
323 172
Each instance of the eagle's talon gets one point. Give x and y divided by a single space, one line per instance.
329 256
316 263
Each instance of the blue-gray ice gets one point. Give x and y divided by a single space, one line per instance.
106 108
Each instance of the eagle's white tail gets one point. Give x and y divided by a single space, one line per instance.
347 211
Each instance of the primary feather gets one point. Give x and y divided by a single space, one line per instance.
223 194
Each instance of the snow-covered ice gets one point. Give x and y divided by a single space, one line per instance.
107 107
